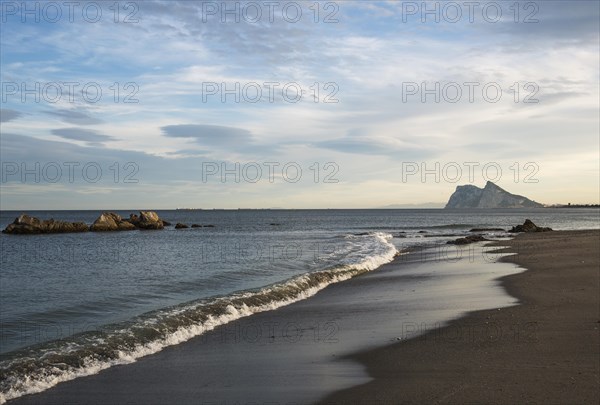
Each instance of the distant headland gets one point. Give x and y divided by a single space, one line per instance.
491 196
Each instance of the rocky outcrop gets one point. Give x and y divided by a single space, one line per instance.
491 196
179 225
25 224
147 220
487 230
109 221
466 240
529 226
150 220
196 226
134 219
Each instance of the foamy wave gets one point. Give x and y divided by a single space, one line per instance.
123 344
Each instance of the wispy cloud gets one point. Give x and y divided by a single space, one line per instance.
86 135
74 117
209 135
9 115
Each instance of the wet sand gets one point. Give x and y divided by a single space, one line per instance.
544 351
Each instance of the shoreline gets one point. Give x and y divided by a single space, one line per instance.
544 350
303 344
343 344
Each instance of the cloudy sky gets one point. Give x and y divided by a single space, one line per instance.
344 104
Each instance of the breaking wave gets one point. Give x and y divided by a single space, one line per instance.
38 368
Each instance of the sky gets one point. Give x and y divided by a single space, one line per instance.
291 104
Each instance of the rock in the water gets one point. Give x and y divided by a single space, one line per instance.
529 226
134 219
25 224
196 226
179 225
487 230
109 221
25 219
126 226
466 240
491 196
53 226
149 220
209 226
166 223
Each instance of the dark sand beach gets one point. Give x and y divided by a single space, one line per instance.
544 351
343 345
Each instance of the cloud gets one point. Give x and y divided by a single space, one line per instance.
222 138
553 21
376 146
187 153
209 134
87 135
8 115
28 150
74 117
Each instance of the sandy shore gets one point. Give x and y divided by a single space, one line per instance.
342 344
545 351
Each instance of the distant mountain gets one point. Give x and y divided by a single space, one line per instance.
491 196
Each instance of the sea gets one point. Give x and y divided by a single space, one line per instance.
74 304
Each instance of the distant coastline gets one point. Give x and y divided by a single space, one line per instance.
573 206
